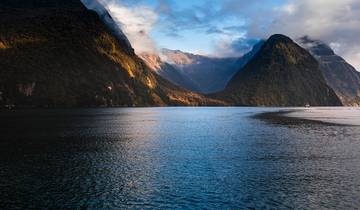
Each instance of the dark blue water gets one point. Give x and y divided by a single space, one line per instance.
175 158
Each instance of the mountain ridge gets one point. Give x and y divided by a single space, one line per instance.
60 54
210 74
70 58
280 74
339 75
168 71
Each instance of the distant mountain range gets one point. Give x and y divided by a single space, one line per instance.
338 74
209 74
168 71
200 73
57 53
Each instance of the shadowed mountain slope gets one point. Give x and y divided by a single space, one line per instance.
280 74
209 74
339 74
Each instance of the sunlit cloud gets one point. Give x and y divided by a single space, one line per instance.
136 22
229 26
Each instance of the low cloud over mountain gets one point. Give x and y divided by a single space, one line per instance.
224 28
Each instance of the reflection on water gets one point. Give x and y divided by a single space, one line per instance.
174 158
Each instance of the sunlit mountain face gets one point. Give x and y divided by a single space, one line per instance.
61 54
169 104
205 42
149 71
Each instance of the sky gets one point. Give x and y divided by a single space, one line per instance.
224 28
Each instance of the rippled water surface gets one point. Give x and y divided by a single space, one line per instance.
175 158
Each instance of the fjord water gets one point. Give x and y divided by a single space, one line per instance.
175 158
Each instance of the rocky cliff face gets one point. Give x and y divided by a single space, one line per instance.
280 74
57 53
339 74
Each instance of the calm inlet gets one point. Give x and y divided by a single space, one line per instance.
175 158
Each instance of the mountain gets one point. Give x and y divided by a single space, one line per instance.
106 18
57 53
168 71
280 74
209 74
339 74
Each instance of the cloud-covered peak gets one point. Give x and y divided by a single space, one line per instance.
230 27
136 22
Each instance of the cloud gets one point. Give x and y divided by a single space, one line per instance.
200 16
225 21
235 22
136 22
336 22
332 21
234 47
215 30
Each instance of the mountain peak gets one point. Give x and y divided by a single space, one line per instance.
55 54
316 47
178 57
279 38
281 74
281 49
340 75
152 60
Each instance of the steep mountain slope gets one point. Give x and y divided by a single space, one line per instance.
57 53
209 74
168 71
280 74
106 18
339 74
241 62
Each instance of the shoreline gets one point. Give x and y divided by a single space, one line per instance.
306 116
